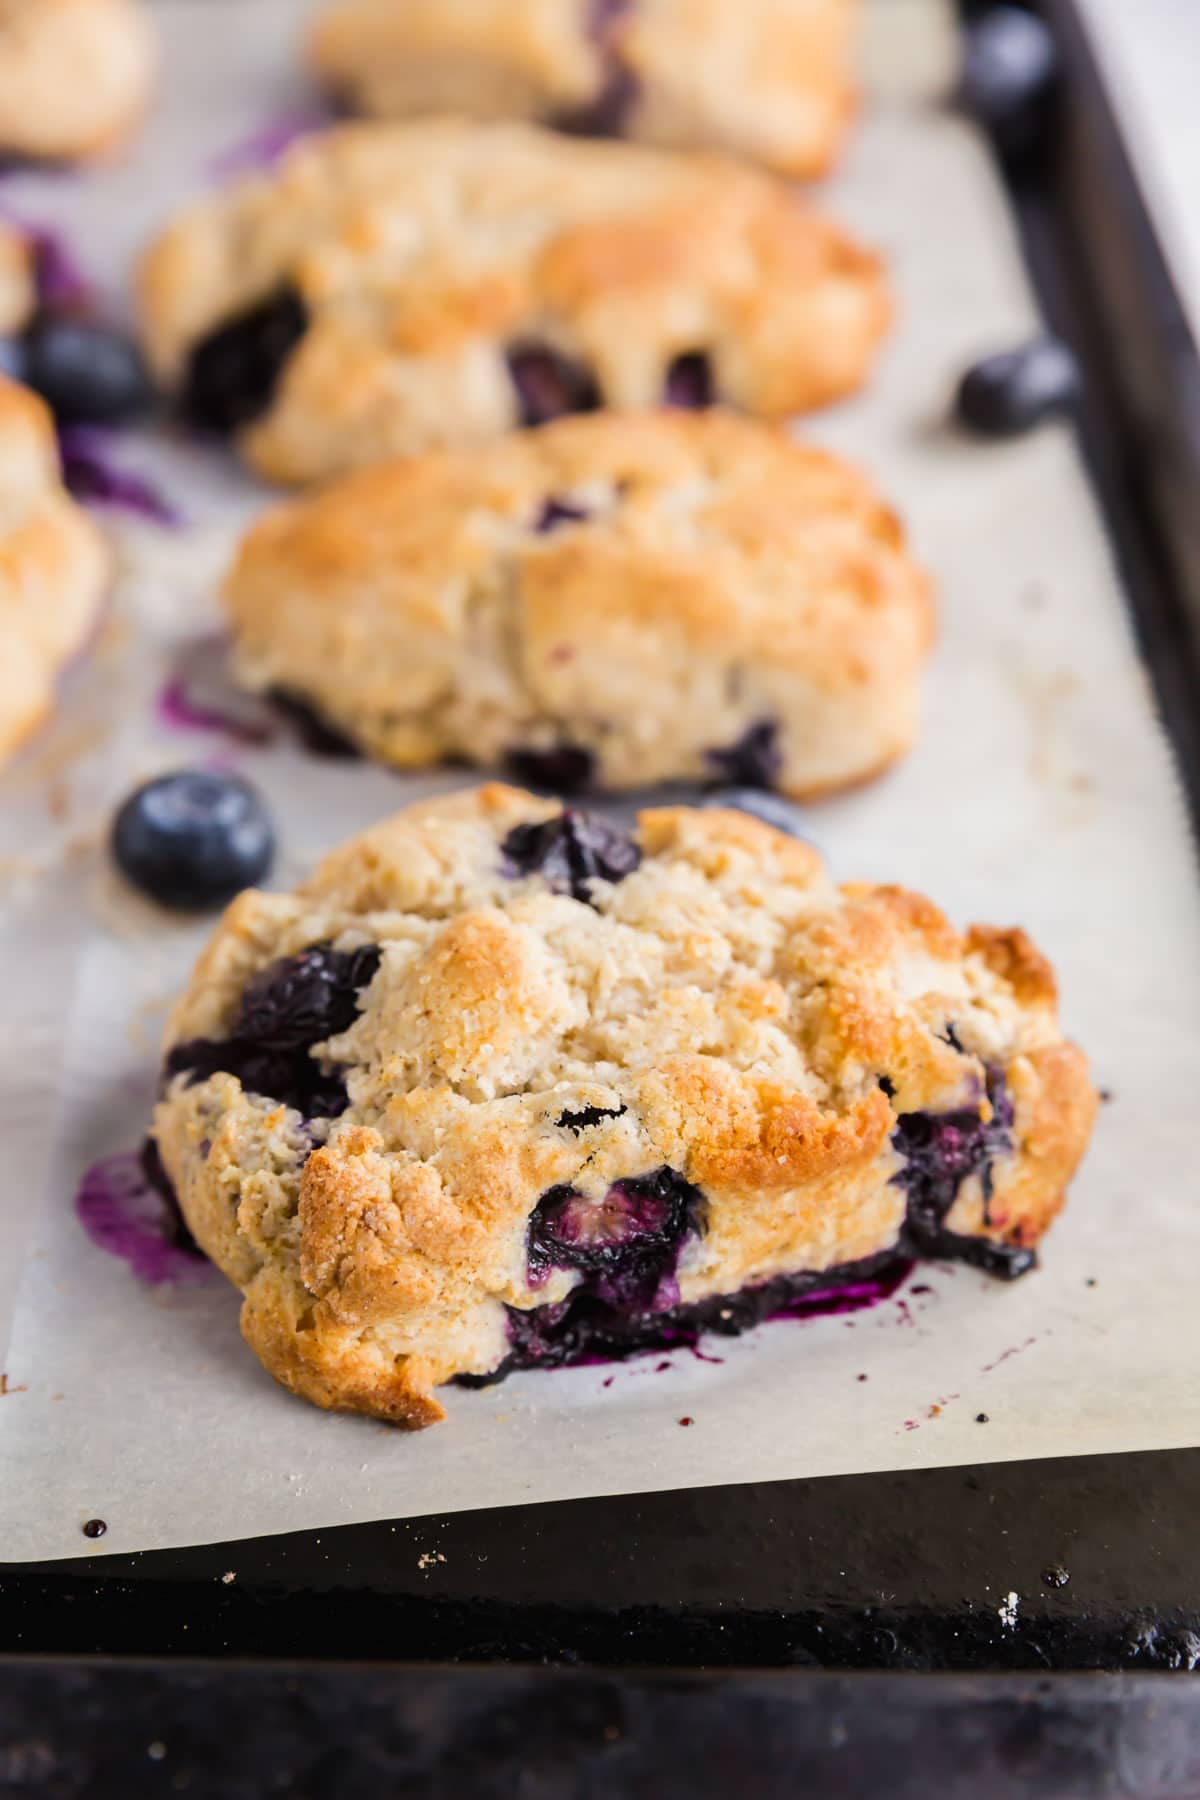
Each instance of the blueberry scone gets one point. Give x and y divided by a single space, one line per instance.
608 602
502 1087
766 79
389 289
54 566
75 75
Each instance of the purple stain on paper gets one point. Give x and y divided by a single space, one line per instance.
178 708
126 1207
263 147
92 475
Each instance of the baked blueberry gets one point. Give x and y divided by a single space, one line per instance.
625 1245
1015 390
314 732
940 1150
557 512
754 761
286 1009
689 381
549 384
193 840
570 852
86 373
232 374
563 768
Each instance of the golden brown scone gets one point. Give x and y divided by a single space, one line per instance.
75 75
54 566
18 280
501 1085
767 79
618 599
390 289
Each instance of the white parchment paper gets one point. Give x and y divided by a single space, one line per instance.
1042 792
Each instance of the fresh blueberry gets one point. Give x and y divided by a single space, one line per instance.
754 761
571 851
563 768
232 374
86 373
193 840
556 512
1009 63
1015 390
549 384
772 809
690 381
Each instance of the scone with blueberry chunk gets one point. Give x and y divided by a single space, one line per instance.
388 289
503 1087
75 75
767 79
54 566
606 602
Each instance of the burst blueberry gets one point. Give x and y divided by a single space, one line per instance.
754 761
562 768
625 1246
549 384
570 852
233 373
689 382
193 840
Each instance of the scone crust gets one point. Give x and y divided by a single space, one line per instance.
723 1011
18 280
721 576
425 253
75 75
771 80
54 566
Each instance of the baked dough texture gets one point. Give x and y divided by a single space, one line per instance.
771 80
638 598
18 280
54 566
573 1083
390 289
75 75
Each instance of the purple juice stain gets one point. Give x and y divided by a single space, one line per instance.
570 852
263 147
91 474
126 1205
176 707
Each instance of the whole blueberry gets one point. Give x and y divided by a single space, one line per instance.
86 373
1015 390
1009 62
772 809
193 840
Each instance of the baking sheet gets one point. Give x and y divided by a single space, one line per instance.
1042 792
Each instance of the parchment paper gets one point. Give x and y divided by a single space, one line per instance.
1042 792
